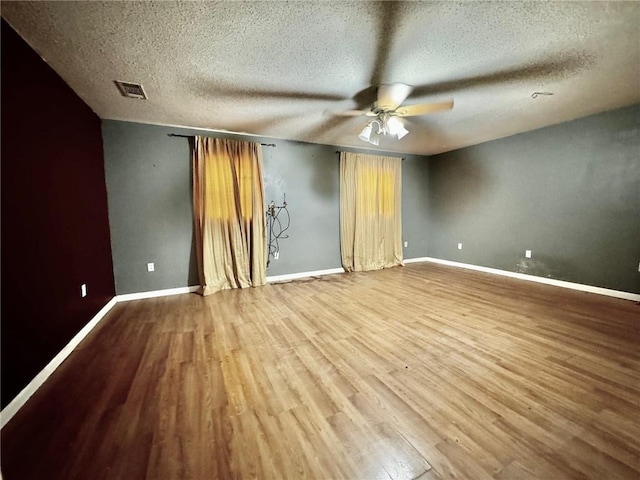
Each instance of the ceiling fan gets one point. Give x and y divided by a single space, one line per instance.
386 110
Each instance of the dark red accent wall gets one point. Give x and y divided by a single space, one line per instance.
55 229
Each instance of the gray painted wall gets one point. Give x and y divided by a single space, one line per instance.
570 193
150 209
150 205
415 206
309 176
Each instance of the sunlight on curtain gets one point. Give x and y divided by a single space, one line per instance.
227 192
370 211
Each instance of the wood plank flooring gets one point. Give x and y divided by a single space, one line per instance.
424 371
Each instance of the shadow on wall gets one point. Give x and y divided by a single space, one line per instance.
326 172
458 182
194 276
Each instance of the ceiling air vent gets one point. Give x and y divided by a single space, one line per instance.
131 90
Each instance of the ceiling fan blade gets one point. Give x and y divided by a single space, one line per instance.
391 96
207 88
423 109
350 113
327 129
559 66
272 94
386 14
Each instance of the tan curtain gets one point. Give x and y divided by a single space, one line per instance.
228 199
370 211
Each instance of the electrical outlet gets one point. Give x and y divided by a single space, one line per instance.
83 290
406 244
459 246
527 253
151 267
276 255
639 267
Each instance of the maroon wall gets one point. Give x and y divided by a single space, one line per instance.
55 229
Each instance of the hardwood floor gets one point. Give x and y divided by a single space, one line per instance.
425 372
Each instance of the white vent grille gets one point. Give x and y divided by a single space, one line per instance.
131 90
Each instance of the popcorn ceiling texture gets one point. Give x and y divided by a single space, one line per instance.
275 68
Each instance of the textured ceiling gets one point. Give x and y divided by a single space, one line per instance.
275 69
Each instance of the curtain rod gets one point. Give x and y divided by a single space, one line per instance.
192 136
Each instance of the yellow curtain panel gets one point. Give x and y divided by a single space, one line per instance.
370 211
228 199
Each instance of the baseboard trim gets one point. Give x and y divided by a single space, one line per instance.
532 278
16 404
27 392
127 297
294 276
12 408
416 260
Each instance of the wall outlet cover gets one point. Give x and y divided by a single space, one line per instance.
406 244
151 267
527 253
83 290
459 246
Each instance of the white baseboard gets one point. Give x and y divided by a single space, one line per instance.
532 278
156 293
416 260
10 410
294 276
18 402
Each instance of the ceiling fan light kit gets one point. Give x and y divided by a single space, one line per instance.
387 109
386 124
396 127
365 135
